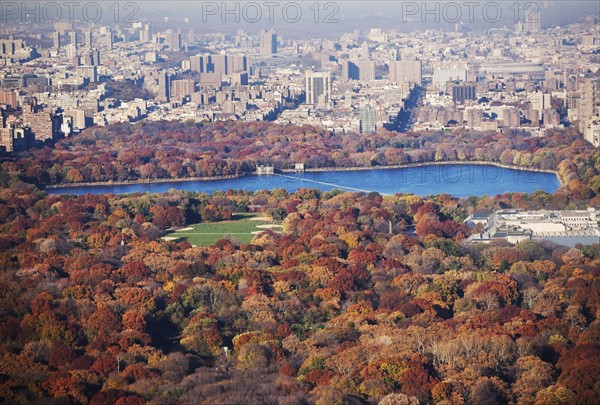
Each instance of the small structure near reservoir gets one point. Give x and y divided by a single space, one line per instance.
264 169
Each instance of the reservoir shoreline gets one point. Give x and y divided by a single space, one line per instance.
142 181
423 164
308 170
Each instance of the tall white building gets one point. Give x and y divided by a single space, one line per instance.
268 42
540 101
443 75
589 110
368 119
57 40
173 40
318 88
109 40
87 39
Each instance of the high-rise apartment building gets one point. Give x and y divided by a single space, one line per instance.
89 73
268 42
15 137
240 78
368 119
511 118
87 39
8 98
366 70
173 40
406 71
358 70
237 63
109 40
462 92
349 71
41 122
539 101
218 64
73 38
443 75
589 110
197 63
318 88
182 88
164 86
57 40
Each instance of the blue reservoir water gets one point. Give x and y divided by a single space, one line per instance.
457 180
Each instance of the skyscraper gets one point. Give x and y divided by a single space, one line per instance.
96 57
164 86
88 73
318 88
240 78
197 63
109 40
173 40
349 70
539 101
268 42
87 58
462 91
511 118
146 34
237 63
443 75
366 70
87 39
182 88
519 27
358 70
589 109
406 71
364 51
56 38
368 118
218 64
71 51
41 122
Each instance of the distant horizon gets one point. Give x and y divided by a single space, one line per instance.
355 14
324 19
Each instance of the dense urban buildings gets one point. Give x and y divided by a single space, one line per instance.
502 80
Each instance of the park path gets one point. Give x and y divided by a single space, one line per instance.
324 183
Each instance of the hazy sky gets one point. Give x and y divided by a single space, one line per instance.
302 18
313 18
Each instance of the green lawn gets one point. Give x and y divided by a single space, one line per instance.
240 228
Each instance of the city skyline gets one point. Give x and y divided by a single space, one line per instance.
299 19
